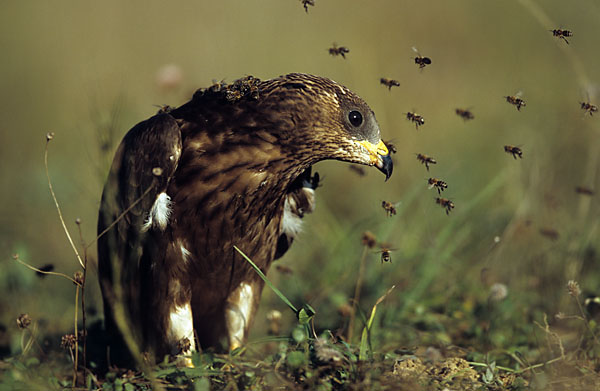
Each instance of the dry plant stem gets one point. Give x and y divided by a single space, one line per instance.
518 371
18 259
357 289
85 260
548 332
25 346
585 321
58 207
76 338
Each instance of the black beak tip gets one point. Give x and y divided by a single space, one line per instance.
388 166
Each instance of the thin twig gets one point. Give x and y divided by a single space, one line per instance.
16 258
76 337
120 216
517 371
85 260
547 330
49 137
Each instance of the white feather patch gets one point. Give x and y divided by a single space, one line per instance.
181 325
238 313
291 223
158 217
310 196
185 253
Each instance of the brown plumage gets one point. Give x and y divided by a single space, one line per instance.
230 167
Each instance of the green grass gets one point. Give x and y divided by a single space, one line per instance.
88 74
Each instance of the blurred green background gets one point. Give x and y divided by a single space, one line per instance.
89 71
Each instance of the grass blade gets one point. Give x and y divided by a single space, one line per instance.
266 280
365 340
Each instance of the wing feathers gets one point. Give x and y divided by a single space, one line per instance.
140 173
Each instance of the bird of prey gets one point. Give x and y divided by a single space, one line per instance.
231 167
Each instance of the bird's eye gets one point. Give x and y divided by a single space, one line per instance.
355 118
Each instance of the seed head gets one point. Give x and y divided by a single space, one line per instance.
68 341
49 136
498 292
368 239
23 321
78 277
326 353
573 288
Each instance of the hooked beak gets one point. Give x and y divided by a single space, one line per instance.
380 157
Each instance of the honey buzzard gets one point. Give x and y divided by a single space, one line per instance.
230 167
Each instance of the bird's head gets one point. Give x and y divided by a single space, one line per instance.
320 119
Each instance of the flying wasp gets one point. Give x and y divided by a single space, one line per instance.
426 160
550 233
438 184
164 109
390 209
286 270
420 60
43 270
386 255
584 190
306 3
357 169
515 151
391 147
562 34
445 203
389 83
516 100
464 114
416 118
589 108
338 51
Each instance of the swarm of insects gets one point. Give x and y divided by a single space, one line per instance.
445 203
515 151
420 60
464 114
338 51
589 108
438 184
306 3
562 34
246 87
389 83
584 190
516 101
426 160
390 209
416 118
